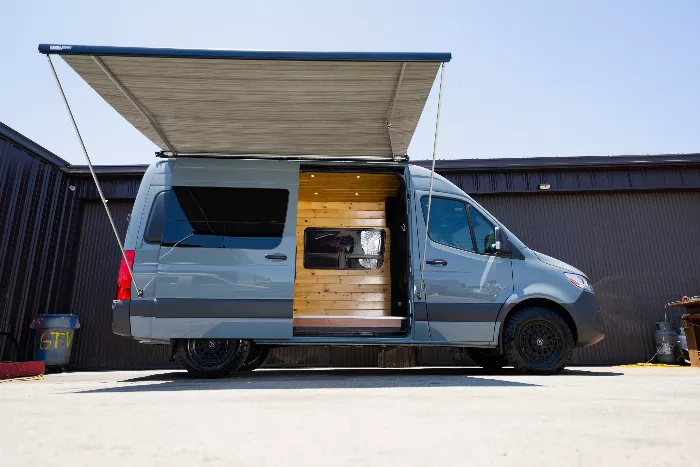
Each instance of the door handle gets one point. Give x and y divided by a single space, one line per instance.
276 256
436 262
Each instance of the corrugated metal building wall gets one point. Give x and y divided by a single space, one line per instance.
631 223
37 212
638 249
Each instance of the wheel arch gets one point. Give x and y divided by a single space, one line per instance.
541 302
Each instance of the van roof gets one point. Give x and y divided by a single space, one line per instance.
335 105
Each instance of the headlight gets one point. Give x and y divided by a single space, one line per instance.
579 281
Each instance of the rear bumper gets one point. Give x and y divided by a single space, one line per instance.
121 324
587 315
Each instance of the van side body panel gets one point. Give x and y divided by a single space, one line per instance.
462 298
202 292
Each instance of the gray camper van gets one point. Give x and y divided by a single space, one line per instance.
283 211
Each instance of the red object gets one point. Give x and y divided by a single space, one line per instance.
21 369
124 281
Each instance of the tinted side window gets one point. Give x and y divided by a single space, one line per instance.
343 248
449 223
217 217
483 232
156 219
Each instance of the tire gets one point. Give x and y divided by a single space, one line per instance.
212 358
487 358
256 358
537 341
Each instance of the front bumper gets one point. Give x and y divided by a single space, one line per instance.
587 315
121 324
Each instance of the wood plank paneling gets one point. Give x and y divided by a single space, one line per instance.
330 200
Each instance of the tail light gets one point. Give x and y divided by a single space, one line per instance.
124 281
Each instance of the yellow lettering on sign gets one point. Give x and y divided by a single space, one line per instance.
55 334
44 343
69 338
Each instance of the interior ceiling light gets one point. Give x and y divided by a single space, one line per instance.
312 175
356 194
315 193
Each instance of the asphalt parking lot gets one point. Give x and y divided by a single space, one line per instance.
437 416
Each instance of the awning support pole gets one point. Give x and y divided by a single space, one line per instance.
391 110
94 177
133 100
430 192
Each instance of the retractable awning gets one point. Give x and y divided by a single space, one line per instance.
267 104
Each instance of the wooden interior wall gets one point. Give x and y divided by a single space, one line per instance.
337 200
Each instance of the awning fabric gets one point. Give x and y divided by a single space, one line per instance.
215 102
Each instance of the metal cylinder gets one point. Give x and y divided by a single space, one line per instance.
666 343
53 338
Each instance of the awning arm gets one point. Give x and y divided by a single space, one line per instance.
133 100
391 110
430 192
94 177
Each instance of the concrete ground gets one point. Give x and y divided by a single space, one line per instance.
355 417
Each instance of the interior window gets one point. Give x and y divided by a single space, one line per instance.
483 232
343 248
156 219
217 217
449 223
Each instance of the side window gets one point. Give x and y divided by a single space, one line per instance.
449 223
156 219
484 233
343 248
217 217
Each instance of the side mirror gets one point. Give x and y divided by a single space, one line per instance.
502 243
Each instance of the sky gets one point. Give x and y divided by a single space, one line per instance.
527 78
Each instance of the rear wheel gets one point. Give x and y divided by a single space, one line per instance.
537 341
256 358
487 358
213 358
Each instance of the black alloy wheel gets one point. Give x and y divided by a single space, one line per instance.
537 341
213 358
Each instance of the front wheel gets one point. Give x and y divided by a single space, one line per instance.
537 341
487 358
212 358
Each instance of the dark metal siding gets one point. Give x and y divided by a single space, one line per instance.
641 251
567 180
94 287
36 216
